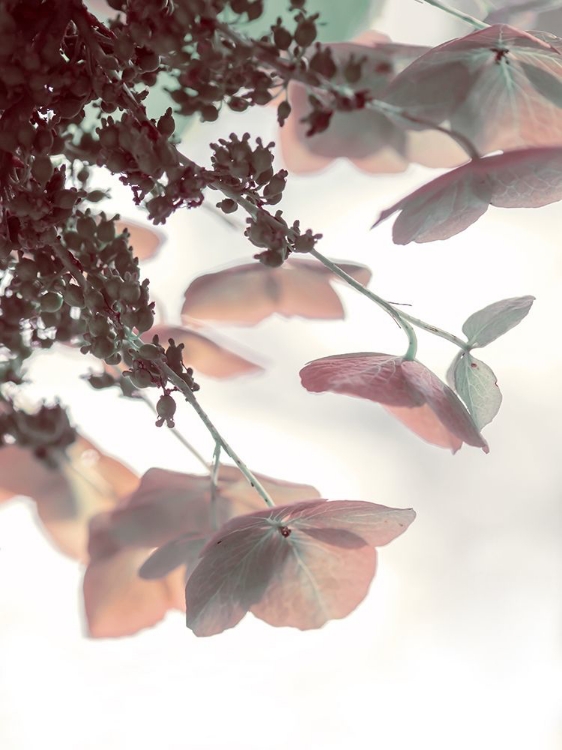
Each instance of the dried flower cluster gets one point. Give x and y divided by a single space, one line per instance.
71 97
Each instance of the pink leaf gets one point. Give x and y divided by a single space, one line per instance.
250 293
407 389
500 87
298 565
527 178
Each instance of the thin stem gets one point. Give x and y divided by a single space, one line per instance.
186 391
214 487
401 317
458 14
392 111
398 316
436 331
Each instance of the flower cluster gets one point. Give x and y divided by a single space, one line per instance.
72 97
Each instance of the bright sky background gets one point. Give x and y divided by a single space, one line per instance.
457 646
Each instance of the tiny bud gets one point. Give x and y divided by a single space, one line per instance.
105 231
166 408
209 113
65 198
102 347
42 169
141 378
51 302
228 206
74 296
282 38
144 320
166 124
283 111
305 32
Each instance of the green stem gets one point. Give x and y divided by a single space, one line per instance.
182 386
141 396
436 331
402 318
458 14
400 113
254 481
399 317
214 487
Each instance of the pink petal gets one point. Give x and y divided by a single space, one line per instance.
404 388
296 565
378 377
183 551
527 178
249 293
516 75
85 483
443 402
166 505
425 423
327 584
118 602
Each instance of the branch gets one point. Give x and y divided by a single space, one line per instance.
457 14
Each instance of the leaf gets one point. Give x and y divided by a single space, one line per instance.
298 565
249 293
84 483
528 178
144 240
410 391
504 100
488 324
203 354
171 511
477 385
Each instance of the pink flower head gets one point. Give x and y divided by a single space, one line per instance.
407 389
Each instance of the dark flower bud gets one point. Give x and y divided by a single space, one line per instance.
305 32
166 408
51 302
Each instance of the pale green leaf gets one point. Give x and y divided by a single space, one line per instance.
477 386
493 321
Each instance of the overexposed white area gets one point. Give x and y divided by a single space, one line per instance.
457 646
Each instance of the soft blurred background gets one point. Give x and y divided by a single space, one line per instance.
458 643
